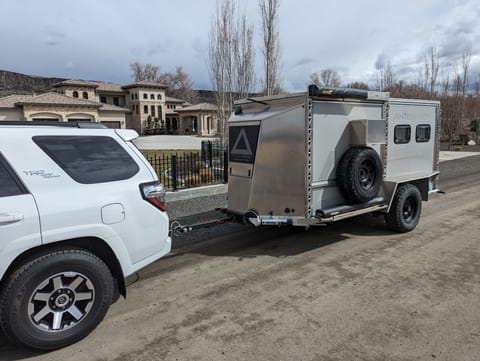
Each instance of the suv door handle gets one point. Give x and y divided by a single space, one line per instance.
7 218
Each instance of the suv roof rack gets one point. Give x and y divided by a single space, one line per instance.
54 123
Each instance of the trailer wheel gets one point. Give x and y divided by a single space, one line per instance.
359 174
56 299
406 208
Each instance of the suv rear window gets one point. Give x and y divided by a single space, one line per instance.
89 159
8 184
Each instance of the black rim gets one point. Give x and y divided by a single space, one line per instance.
409 209
366 174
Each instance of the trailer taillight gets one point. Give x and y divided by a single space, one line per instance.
154 193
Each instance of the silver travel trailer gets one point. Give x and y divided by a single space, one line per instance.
311 158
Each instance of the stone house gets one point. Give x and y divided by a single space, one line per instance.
142 106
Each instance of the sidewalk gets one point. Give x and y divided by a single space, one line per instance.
168 142
449 155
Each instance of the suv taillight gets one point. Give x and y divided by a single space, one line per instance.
154 193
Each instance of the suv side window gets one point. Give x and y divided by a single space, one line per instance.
89 159
9 185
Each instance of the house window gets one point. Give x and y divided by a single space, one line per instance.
145 109
103 99
159 111
145 96
115 101
136 109
152 96
136 96
133 97
152 109
85 95
402 134
159 96
422 133
75 94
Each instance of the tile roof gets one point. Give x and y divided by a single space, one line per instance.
53 98
113 108
201 107
77 82
109 87
174 100
11 100
145 84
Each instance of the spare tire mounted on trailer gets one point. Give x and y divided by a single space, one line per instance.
359 174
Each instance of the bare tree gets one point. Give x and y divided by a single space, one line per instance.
144 72
327 77
386 77
244 58
431 68
454 101
466 57
180 84
358 85
230 59
271 46
220 60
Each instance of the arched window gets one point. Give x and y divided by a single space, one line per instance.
75 94
152 96
145 96
85 95
159 96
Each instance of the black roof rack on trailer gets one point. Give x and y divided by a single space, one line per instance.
86 125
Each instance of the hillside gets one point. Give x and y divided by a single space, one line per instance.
16 83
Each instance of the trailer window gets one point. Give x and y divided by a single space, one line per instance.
402 134
422 133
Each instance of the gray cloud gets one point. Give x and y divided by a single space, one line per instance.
370 33
305 61
382 59
53 36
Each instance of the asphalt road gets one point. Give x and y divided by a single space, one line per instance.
349 291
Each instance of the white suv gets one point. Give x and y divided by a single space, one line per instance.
80 210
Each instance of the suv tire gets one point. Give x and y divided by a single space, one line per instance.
56 299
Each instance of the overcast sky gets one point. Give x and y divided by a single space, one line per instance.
98 39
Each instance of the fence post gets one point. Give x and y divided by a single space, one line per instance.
174 172
225 167
210 154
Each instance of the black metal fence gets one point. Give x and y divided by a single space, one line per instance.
188 170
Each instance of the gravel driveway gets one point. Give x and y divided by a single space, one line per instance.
349 291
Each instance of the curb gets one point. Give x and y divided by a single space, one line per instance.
190 193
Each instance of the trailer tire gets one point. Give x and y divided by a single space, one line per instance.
359 174
405 210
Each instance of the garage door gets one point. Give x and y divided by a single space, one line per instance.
79 120
45 119
110 124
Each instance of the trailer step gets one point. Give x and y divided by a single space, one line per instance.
350 210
